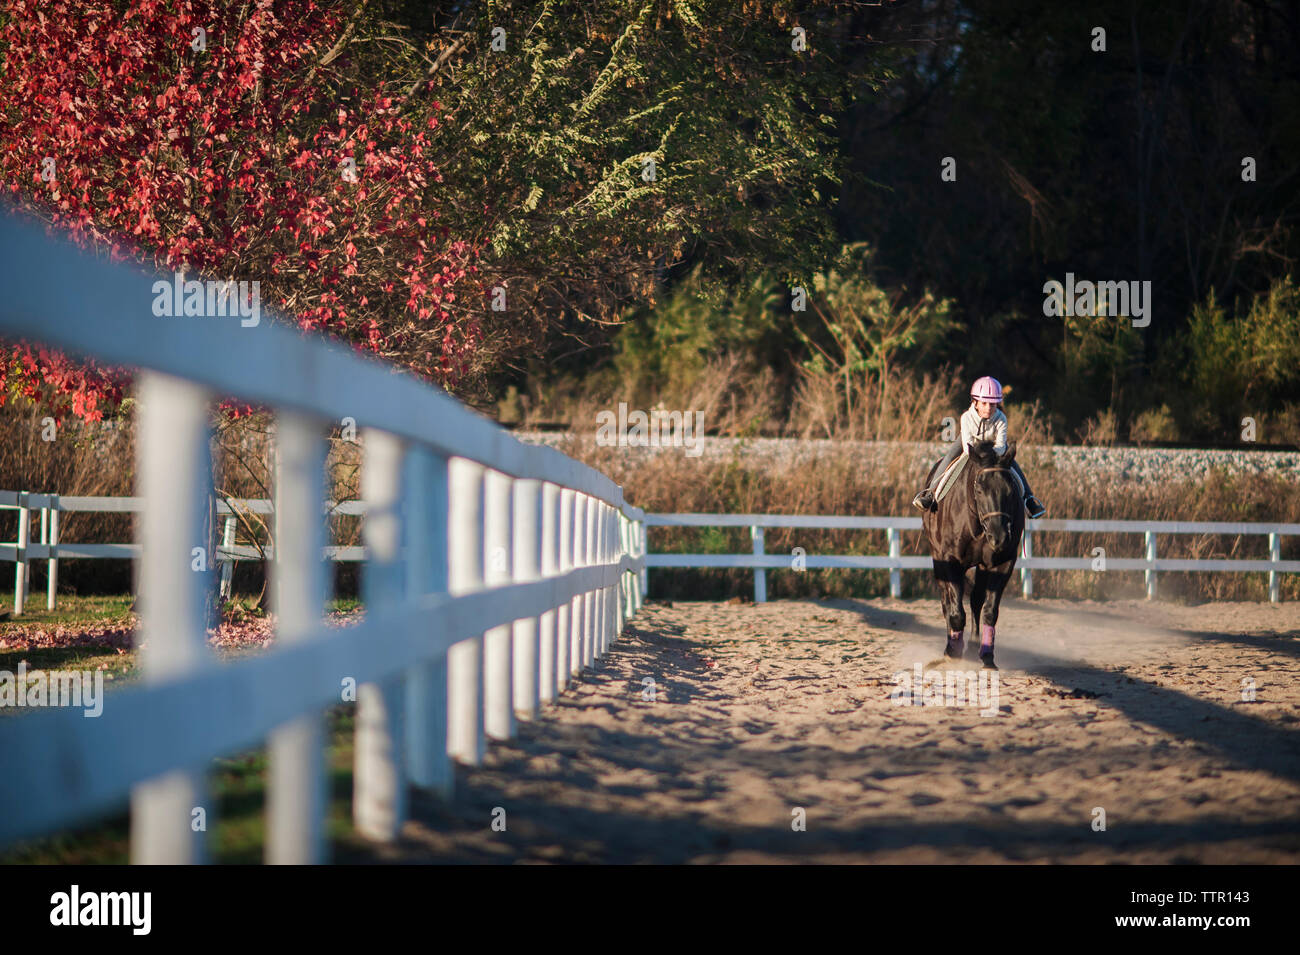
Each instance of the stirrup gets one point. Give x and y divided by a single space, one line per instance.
1037 511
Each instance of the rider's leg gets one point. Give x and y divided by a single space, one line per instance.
1032 504
925 498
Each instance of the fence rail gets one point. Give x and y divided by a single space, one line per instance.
50 548
495 571
896 562
758 560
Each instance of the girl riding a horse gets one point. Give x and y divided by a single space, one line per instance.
982 421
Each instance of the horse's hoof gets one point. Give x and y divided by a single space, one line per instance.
953 649
987 660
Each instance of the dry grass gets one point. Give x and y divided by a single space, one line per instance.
673 483
831 405
737 398
243 467
98 460
81 459
738 401
839 482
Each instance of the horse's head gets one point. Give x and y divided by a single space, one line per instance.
995 493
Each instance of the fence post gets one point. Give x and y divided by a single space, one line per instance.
1274 554
614 555
45 541
296 785
639 533
1027 575
613 603
633 580
895 574
20 564
1150 573
528 519
380 777
642 547
590 627
564 621
600 594
576 658
608 592
465 740
426 682
620 548
52 565
760 575
175 471
597 592
228 563
548 625
498 654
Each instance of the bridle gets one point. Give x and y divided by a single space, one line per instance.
996 513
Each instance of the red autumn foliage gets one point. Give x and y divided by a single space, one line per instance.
231 161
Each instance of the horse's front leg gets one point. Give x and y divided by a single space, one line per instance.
978 593
997 582
952 589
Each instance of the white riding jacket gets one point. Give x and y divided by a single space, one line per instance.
974 428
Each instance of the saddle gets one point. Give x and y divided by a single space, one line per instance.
950 476
954 471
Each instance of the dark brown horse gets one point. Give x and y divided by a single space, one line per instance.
974 534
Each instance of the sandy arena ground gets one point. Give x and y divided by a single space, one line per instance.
761 710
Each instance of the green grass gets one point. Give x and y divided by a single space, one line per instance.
119 668
71 608
114 608
237 781
238 835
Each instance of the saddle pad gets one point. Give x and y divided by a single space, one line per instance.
950 476
954 471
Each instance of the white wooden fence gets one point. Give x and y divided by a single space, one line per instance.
759 561
895 561
50 547
496 571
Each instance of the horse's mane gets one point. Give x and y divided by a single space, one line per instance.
983 454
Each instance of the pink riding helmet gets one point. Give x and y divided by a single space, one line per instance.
987 389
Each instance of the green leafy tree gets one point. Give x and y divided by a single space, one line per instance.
1244 364
1097 351
598 146
867 332
664 348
